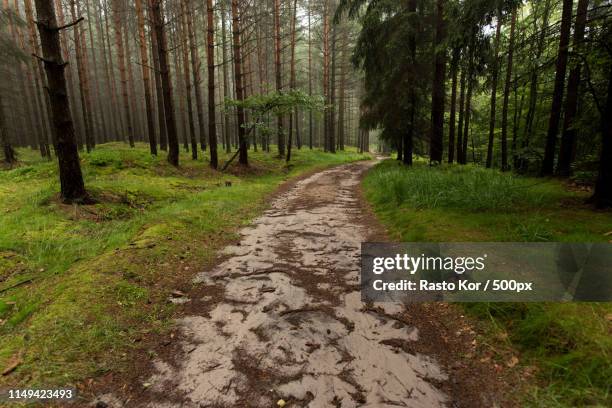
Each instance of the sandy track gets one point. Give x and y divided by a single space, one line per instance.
289 323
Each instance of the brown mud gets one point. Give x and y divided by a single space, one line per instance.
280 317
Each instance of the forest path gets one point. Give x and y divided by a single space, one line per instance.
284 319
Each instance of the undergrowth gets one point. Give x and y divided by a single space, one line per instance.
81 286
570 344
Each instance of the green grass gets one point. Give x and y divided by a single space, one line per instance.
92 281
571 344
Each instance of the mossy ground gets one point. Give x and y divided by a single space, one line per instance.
569 344
81 286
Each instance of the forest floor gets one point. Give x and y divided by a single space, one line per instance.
567 346
279 316
166 292
83 287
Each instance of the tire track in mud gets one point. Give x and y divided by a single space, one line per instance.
290 323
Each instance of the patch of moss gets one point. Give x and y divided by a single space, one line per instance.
101 274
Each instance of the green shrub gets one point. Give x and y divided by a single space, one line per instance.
457 187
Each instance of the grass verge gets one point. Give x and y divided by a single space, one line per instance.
82 286
570 345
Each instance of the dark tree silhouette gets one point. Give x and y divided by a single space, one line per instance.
71 178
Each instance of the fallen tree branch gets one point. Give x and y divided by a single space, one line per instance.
230 160
16 285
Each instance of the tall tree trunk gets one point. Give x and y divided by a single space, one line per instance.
310 121
161 43
243 159
83 79
278 74
120 121
135 101
161 116
19 114
146 79
453 104
408 137
7 149
187 76
122 70
102 131
178 77
326 81
39 76
518 115
292 76
462 88
603 188
533 92
332 92
71 178
567 151
226 88
557 99
494 75
92 115
30 108
438 92
504 129
468 107
79 129
212 124
112 127
195 69
342 96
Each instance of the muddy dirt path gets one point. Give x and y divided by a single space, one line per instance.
287 320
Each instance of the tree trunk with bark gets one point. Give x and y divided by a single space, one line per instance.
468 107
453 105
122 69
342 91
187 75
243 158
24 88
7 149
494 75
161 43
567 151
310 118
462 88
195 70
438 92
71 178
408 137
161 117
278 74
212 124
508 82
332 91
326 76
292 77
83 78
102 129
602 197
116 104
146 78
557 99
39 76
226 93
